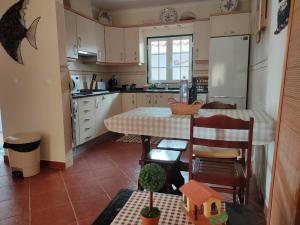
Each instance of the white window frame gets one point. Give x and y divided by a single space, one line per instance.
169 54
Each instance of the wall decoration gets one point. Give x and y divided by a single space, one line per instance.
13 30
228 5
105 18
168 15
187 16
283 15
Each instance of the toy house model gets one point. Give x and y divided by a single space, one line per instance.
202 204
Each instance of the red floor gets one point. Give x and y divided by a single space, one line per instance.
77 195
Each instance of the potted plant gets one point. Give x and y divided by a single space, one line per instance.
152 178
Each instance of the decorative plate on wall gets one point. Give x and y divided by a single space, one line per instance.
229 5
168 15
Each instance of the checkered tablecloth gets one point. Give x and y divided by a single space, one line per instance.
160 122
169 205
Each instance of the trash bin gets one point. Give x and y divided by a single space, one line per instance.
24 153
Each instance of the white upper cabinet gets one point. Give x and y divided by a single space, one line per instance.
71 35
230 24
114 45
100 42
133 45
201 40
86 34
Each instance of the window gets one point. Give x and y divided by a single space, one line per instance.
169 59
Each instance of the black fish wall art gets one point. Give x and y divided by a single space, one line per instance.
13 30
283 15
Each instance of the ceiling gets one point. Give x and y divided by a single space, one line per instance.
129 4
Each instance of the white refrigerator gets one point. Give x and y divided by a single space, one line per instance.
228 70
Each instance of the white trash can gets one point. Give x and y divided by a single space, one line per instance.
24 153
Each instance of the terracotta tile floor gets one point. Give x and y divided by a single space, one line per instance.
77 195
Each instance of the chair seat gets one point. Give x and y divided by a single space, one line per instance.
177 145
163 156
218 172
222 153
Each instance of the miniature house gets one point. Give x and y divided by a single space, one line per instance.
202 204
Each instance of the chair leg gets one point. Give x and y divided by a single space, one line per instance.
234 195
246 195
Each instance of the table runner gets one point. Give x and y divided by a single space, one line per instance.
159 122
169 205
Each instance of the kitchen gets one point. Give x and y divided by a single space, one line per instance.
122 53
117 67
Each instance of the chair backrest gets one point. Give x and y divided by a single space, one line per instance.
222 122
225 123
218 105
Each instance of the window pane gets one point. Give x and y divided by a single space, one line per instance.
176 59
163 60
185 59
162 74
162 47
154 73
154 60
154 47
176 73
185 45
176 45
184 72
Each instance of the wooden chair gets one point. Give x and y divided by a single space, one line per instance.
218 105
229 170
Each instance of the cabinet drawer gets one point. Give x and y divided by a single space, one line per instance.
87 121
86 103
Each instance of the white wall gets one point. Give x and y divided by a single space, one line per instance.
31 94
267 63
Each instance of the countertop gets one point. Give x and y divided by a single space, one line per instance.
137 90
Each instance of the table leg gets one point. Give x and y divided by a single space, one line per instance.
145 150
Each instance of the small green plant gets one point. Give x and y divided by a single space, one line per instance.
152 178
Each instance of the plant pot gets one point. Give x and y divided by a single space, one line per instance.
149 221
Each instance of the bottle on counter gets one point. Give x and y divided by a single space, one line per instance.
184 91
193 91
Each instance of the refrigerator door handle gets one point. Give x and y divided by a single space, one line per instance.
227 97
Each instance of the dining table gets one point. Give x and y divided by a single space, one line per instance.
160 122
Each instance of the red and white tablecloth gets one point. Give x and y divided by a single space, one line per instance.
169 205
159 122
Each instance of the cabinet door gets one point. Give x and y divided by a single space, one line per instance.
86 34
71 35
114 44
201 40
161 99
229 25
101 113
116 104
100 43
131 39
143 99
128 101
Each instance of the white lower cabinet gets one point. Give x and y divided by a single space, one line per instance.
143 100
102 105
92 111
129 101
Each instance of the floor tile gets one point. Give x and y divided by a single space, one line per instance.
14 207
16 220
59 215
90 208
